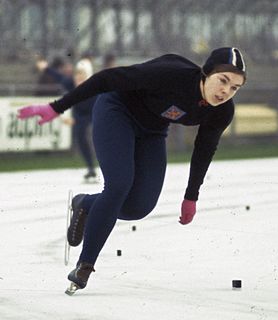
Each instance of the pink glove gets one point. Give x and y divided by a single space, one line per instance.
188 210
46 113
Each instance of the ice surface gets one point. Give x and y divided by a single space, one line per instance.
166 271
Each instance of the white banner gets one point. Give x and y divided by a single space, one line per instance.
27 135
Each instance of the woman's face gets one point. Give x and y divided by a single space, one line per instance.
220 87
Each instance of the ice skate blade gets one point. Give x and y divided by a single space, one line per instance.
72 289
69 216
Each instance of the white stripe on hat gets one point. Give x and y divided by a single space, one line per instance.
234 59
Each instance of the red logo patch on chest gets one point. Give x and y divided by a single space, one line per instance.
173 113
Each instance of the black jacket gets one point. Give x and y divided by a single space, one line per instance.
159 92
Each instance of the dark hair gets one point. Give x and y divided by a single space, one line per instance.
225 68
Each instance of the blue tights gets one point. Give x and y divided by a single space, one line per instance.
133 163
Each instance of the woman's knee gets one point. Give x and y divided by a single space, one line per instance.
136 211
118 188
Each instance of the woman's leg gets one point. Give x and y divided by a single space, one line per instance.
150 166
114 141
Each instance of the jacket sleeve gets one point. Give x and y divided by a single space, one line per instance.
204 148
205 145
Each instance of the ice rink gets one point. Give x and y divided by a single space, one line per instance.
167 271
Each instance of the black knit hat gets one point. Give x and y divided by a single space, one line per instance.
228 55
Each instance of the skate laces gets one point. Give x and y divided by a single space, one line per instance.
75 231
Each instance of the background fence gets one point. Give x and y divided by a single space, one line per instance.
139 27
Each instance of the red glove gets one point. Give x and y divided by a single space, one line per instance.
46 113
188 210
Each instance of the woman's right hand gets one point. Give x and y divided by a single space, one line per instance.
45 112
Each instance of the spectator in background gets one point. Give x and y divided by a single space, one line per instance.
48 85
69 78
82 117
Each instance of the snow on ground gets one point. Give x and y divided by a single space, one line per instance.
166 271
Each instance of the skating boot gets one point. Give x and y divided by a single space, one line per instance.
79 277
78 220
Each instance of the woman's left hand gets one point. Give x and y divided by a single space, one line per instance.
188 210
